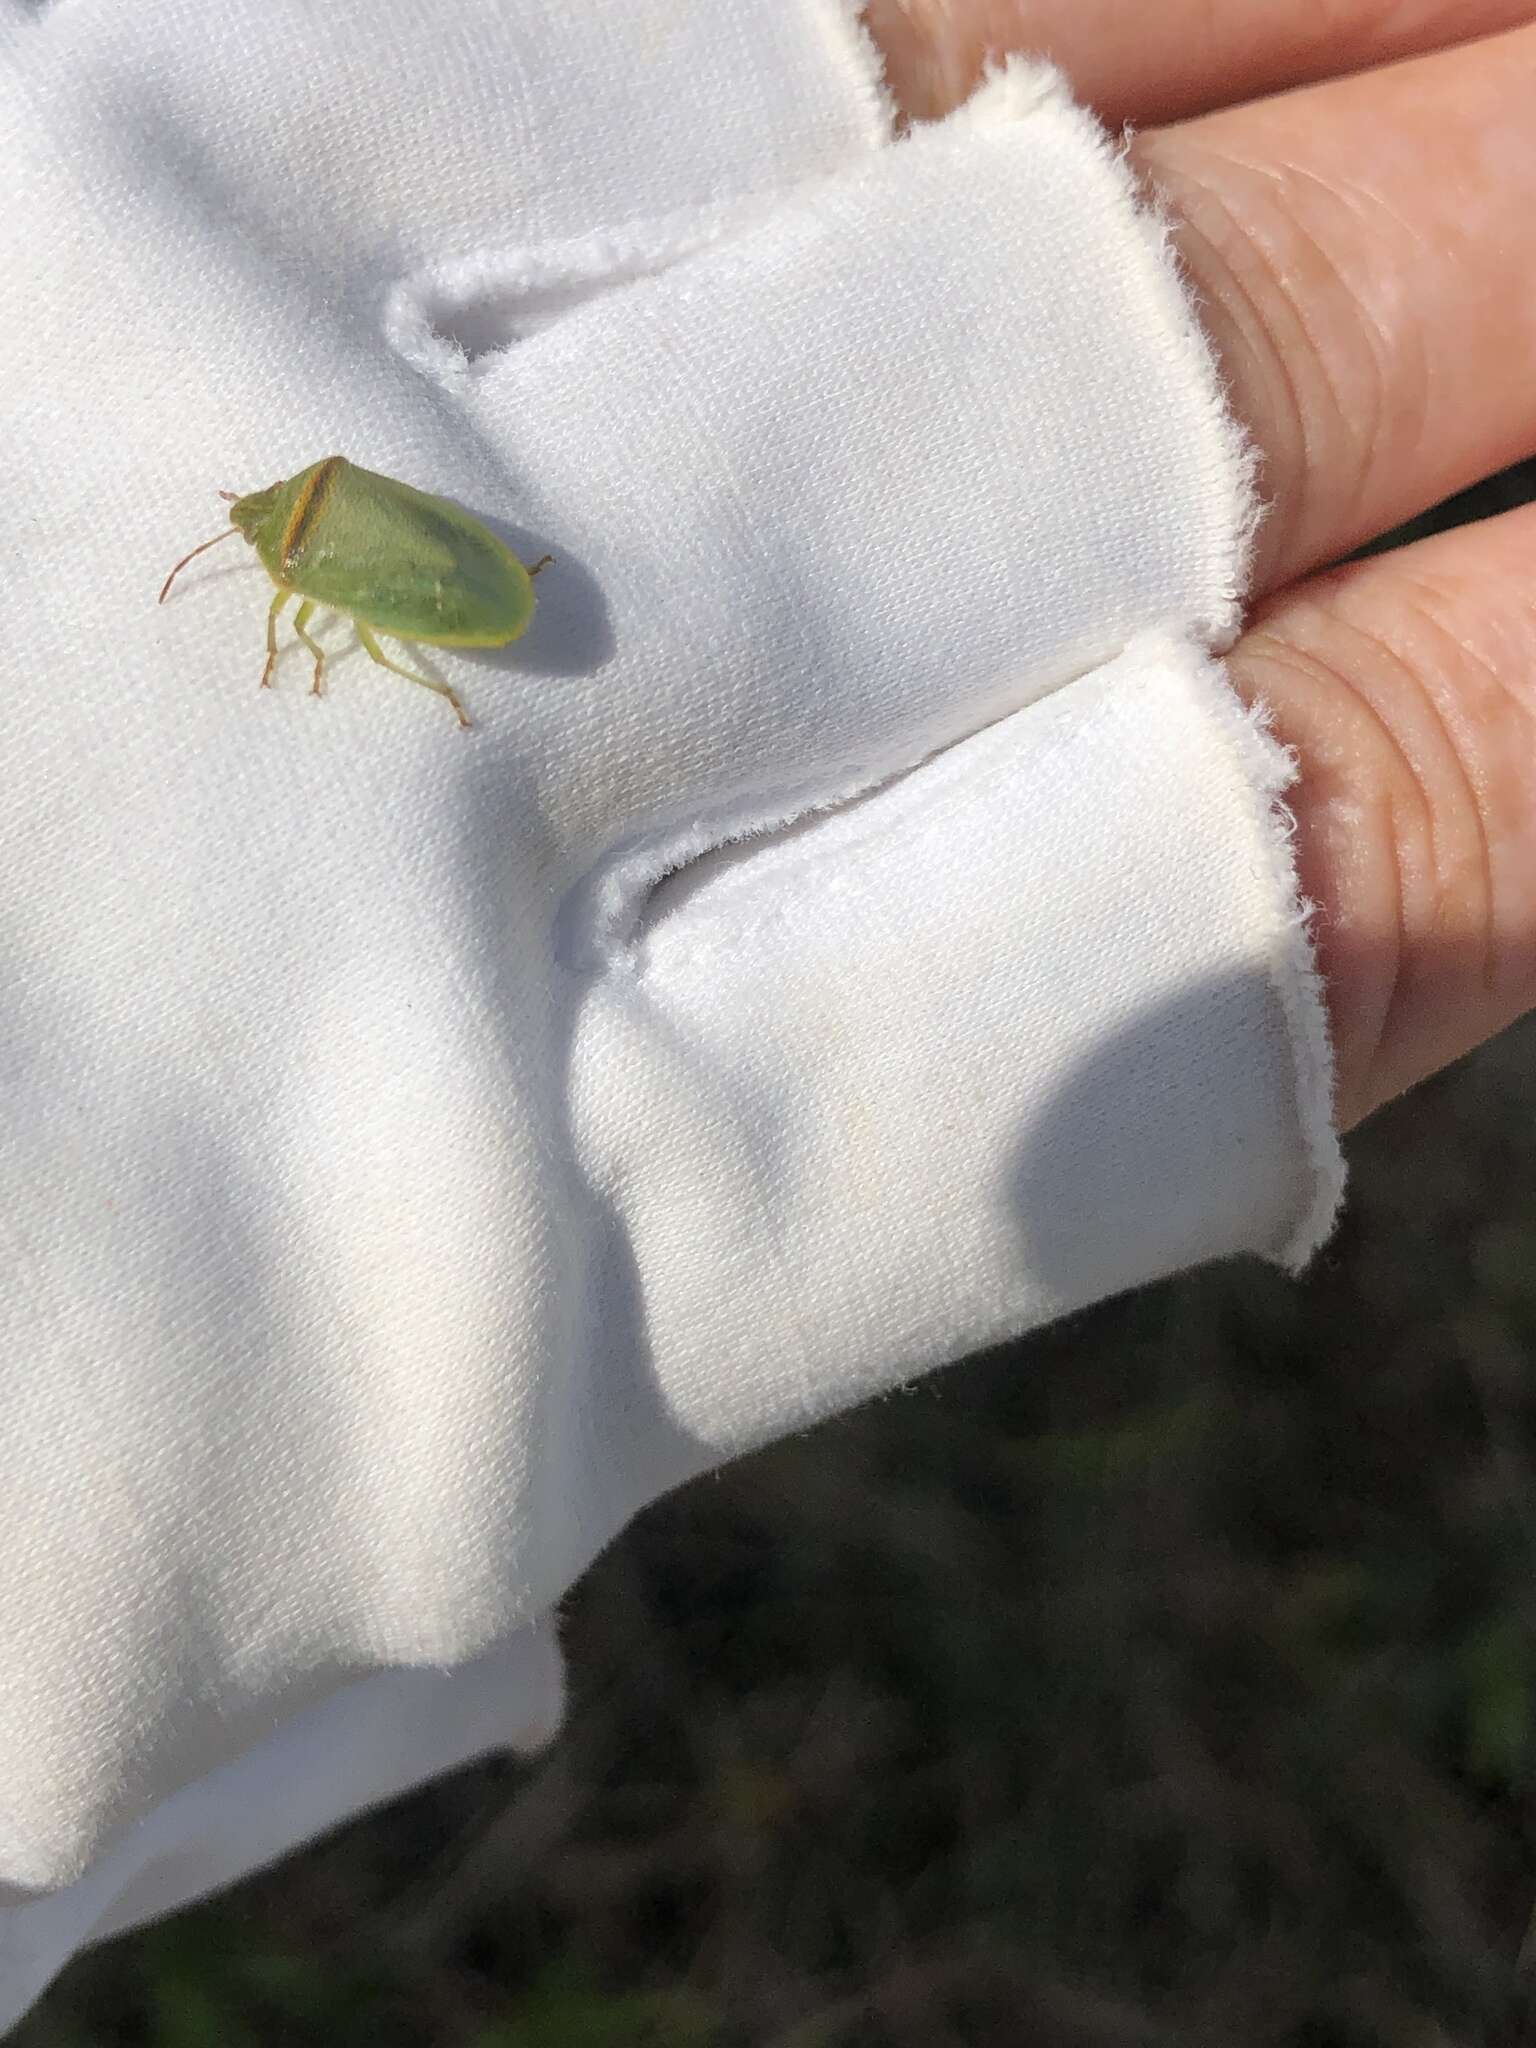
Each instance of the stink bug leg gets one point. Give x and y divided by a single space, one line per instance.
301 619
372 648
273 609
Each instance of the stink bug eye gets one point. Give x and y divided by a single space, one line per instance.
391 558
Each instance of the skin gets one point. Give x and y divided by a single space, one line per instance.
1365 250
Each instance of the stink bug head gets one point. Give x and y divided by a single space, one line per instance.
252 514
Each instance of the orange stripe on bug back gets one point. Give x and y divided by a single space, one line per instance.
306 507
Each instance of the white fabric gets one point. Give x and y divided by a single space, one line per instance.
859 926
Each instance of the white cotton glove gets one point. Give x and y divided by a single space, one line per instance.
401 1182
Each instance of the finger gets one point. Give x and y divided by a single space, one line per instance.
1407 685
1135 62
1365 251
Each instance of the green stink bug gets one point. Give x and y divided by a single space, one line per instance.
389 557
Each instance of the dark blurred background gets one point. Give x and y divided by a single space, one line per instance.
1167 1678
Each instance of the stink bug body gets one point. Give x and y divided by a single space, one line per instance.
393 559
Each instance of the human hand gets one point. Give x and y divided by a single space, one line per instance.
841 946
1364 249
398 1189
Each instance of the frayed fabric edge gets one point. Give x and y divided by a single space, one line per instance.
1268 769
1020 88
1016 90
847 36
421 311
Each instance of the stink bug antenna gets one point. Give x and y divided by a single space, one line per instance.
197 551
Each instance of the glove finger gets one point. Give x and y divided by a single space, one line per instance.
358 140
